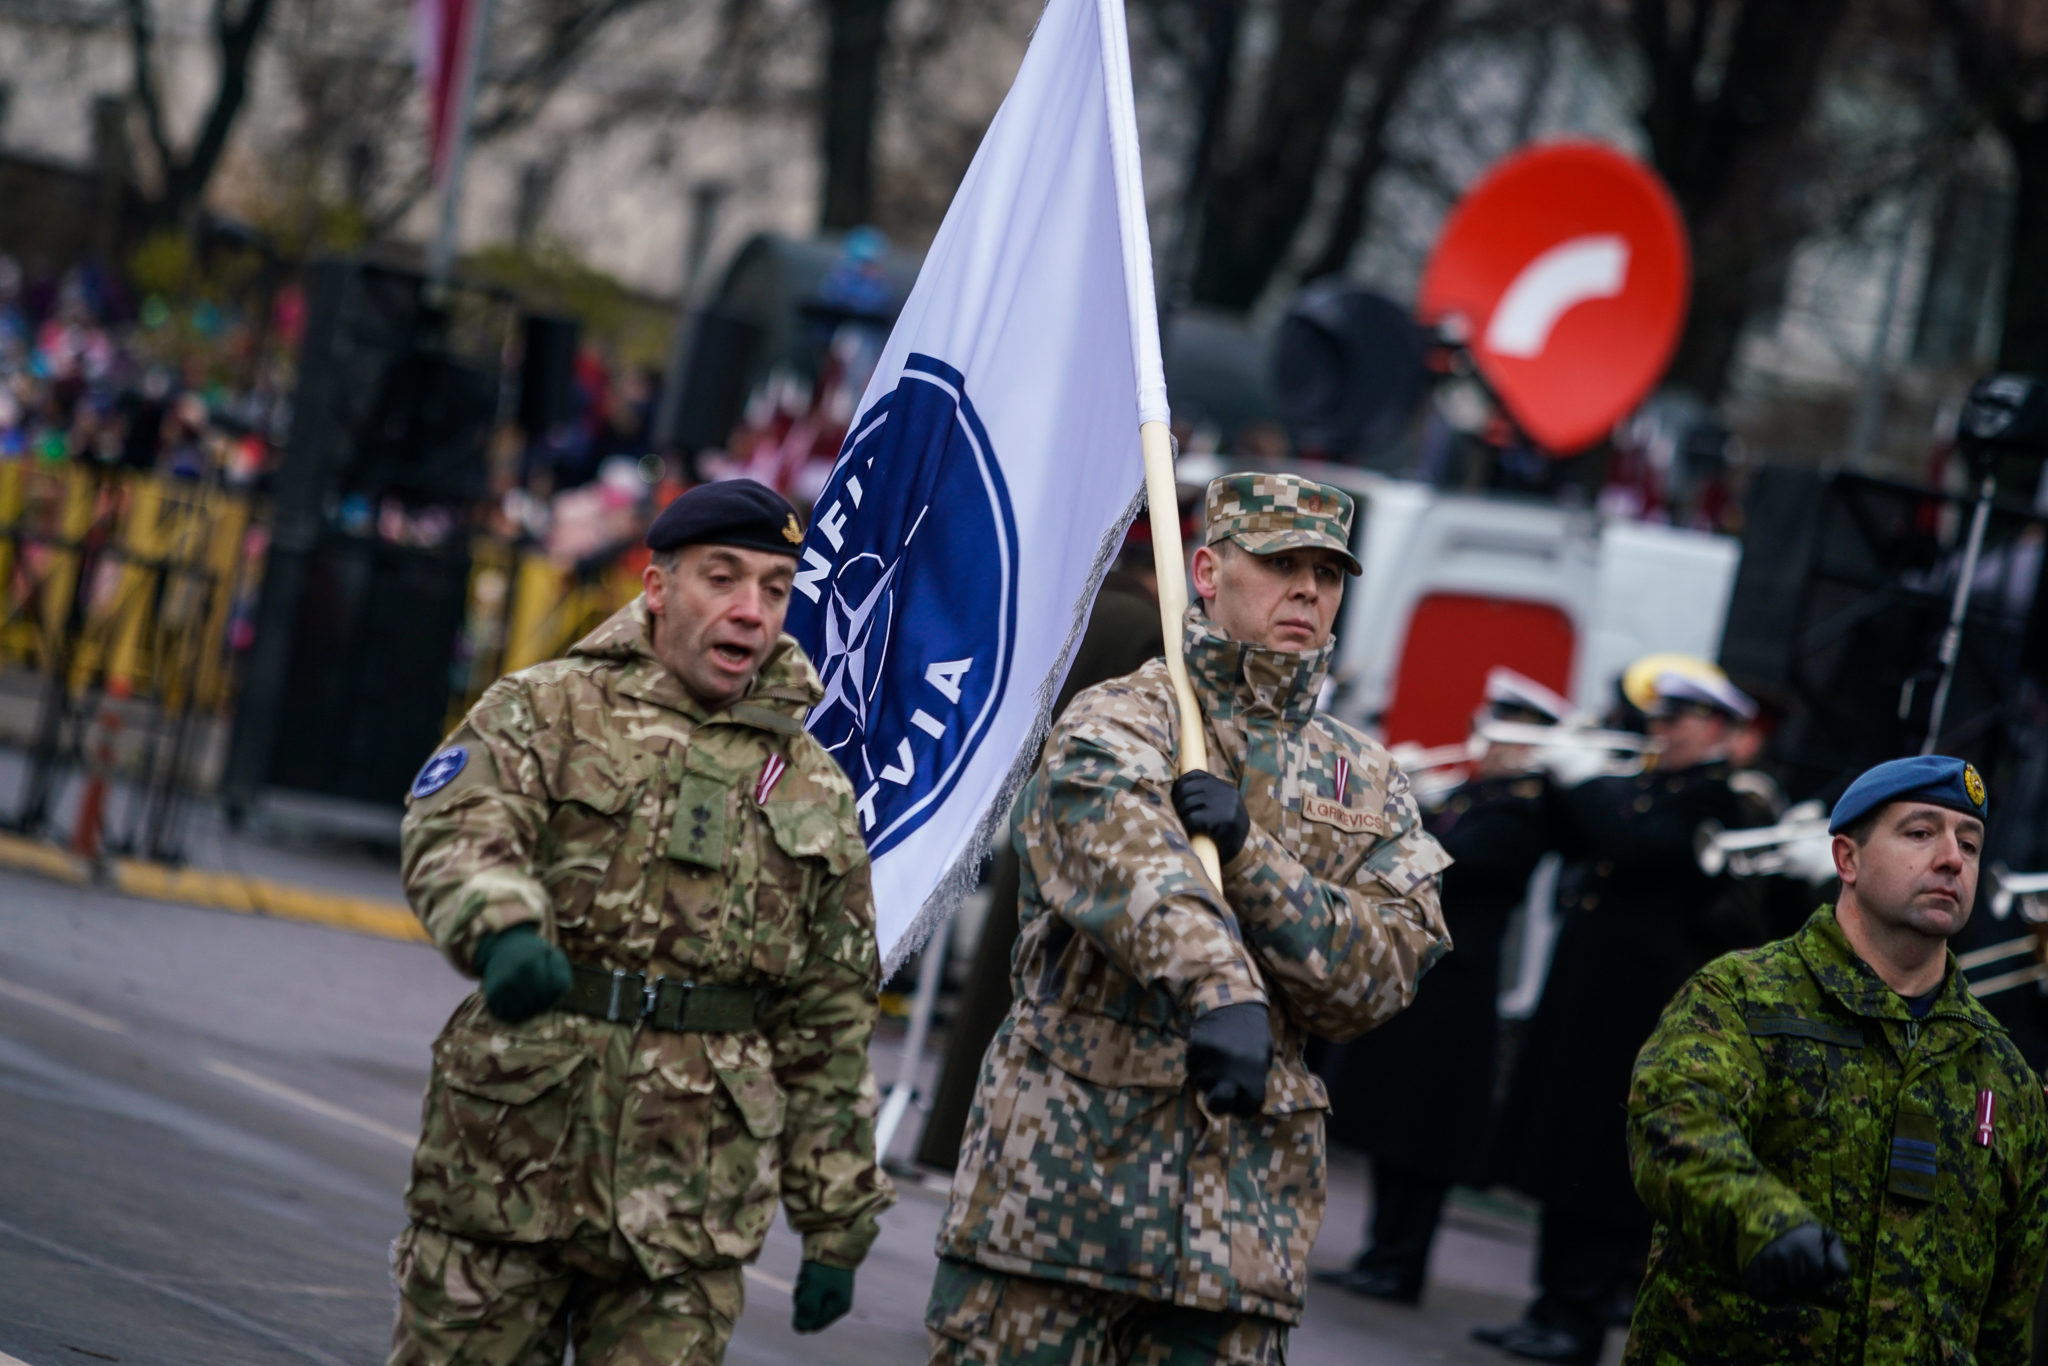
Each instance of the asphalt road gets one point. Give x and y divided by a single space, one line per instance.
205 1122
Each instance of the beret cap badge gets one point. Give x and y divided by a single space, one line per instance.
1973 783
791 532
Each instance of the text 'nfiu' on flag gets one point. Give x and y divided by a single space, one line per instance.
991 469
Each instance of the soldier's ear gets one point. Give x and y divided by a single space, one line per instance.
1203 570
1845 852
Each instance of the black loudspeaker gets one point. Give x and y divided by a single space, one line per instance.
721 353
346 685
1838 611
366 694
426 436
1347 370
547 372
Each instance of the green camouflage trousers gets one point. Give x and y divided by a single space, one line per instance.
987 1318
464 1303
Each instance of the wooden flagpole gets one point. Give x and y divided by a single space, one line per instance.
1164 502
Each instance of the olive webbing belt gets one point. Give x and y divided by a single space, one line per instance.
664 1002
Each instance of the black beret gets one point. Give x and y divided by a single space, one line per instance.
735 512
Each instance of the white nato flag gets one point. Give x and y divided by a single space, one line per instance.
989 476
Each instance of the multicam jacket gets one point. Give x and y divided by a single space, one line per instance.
1788 1085
1087 1158
599 801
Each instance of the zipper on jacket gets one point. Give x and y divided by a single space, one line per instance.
1912 1033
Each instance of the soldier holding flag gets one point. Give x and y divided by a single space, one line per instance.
1142 1175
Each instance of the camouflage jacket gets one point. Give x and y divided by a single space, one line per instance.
1086 1158
1788 1085
599 801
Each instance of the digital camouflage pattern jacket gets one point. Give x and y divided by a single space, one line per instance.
600 802
1788 1085
1086 1158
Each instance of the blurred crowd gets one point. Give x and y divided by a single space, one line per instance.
90 373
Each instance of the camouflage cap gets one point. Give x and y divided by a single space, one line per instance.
1267 513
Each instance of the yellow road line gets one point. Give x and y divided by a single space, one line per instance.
80 1014
256 1081
260 896
217 890
33 856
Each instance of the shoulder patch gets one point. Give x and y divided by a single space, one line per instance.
464 761
440 771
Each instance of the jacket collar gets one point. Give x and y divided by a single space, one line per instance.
1856 985
1235 679
784 691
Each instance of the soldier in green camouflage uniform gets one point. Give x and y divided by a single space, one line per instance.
596 1165
1114 1201
1842 1172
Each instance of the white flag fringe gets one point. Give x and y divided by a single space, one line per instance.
990 476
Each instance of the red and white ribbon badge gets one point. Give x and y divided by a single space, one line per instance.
1987 1110
771 773
1343 777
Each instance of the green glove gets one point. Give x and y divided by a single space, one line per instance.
823 1293
523 973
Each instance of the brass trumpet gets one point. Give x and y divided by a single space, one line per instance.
1798 845
2029 893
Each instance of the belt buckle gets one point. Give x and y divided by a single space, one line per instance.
682 1005
619 995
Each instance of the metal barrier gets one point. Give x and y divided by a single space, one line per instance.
117 588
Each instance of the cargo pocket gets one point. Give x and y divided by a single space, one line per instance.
499 1116
964 1301
744 1161
1275 1169
590 823
804 849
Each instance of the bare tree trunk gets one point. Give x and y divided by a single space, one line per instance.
1418 27
1731 156
852 86
186 176
1255 202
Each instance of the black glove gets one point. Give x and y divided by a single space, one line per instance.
1806 1266
823 1294
1229 1050
1209 806
523 973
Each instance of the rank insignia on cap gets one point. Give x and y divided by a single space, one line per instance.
1973 784
793 533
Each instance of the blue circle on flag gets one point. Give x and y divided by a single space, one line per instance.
440 771
906 599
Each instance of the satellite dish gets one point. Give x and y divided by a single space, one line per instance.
1347 370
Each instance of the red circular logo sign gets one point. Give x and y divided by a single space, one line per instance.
1567 266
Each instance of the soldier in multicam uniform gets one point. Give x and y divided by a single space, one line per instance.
1142 1175
1846 1155
660 879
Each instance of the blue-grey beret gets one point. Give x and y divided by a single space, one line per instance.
736 512
1932 778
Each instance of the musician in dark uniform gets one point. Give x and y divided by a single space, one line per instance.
1415 1094
1639 917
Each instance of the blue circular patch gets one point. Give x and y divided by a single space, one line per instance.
439 772
906 599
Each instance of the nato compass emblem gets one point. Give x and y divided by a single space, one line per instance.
906 599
